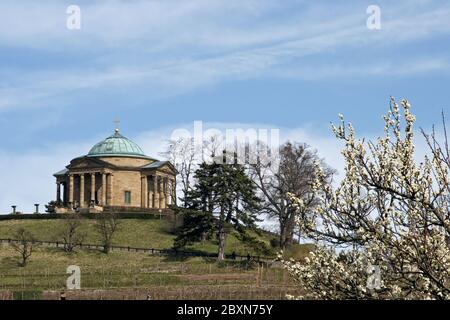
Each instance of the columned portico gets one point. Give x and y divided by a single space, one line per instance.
158 191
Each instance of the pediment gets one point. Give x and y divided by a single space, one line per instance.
83 163
167 169
161 166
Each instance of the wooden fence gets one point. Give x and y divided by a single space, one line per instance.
151 251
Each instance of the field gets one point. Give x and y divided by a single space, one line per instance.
126 275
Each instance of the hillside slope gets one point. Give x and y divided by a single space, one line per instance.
146 233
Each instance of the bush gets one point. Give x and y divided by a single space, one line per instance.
27 295
274 243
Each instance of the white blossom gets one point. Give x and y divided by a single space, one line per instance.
388 211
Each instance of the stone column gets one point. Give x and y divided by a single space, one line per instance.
92 189
104 186
144 192
36 208
167 192
155 192
82 190
58 192
171 191
64 193
150 193
174 191
161 193
150 199
111 190
71 190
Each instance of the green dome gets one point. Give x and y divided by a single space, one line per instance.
116 145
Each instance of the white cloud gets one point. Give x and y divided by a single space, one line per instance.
179 46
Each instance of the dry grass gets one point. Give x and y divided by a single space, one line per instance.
209 292
128 275
123 275
145 233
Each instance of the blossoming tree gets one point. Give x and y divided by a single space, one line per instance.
390 213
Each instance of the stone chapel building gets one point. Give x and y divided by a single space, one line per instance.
115 175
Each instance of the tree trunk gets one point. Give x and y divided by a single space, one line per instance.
222 239
283 234
290 233
287 232
24 261
282 238
106 248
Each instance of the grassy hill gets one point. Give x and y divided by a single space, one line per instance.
146 233
128 275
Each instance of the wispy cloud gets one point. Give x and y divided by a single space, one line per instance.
179 46
407 67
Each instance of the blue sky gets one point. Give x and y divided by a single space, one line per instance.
160 65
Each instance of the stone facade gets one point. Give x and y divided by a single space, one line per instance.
113 177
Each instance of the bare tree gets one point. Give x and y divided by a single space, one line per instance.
293 175
440 149
70 233
213 147
186 157
106 225
24 245
182 155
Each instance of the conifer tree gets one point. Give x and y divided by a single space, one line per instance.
227 195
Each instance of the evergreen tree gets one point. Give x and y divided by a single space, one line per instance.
51 207
197 226
226 194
